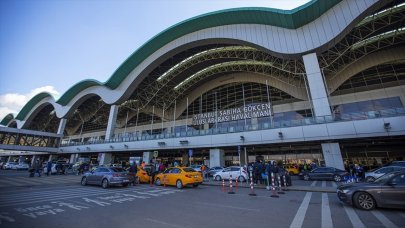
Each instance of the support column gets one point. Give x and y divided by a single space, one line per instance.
112 121
34 158
73 158
62 125
51 157
217 157
243 156
185 159
104 158
332 155
319 97
147 156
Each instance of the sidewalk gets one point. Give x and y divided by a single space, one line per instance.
295 186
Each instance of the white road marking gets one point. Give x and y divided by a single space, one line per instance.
230 207
164 223
353 217
384 220
313 183
325 211
302 210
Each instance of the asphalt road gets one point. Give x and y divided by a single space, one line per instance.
60 201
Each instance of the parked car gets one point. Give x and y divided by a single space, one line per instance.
386 191
213 170
22 166
58 167
179 177
324 173
292 169
10 165
142 175
107 176
196 167
374 174
396 163
237 172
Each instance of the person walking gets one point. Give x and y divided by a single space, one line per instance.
49 168
37 167
133 169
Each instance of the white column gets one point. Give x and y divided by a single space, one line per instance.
112 121
185 158
217 157
332 155
51 157
105 158
34 158
147 156
73 158
319 97
9 159
62 125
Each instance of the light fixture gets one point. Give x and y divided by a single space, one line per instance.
61 150
78 148
280 134
88 148
111 147
162 143
126 146
242 138
387 126
183 142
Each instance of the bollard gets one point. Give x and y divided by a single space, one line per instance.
273 188
268 182
280 191
252 193
164 181
230 186
223 185
236 184
285 184
150 180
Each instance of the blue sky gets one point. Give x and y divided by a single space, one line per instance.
50 45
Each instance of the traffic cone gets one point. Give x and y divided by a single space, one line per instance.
280 191
252 193
230 186
273 188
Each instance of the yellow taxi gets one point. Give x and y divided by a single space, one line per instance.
142 175
179 177
292 169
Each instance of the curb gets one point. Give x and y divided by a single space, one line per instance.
290 188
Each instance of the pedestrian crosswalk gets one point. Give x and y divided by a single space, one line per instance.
21 181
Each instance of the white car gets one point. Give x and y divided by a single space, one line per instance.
10 165
376 173
236 171
22 166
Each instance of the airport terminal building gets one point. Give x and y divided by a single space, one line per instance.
324 82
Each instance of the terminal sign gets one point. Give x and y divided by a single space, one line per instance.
246 112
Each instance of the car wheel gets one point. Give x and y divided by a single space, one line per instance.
179 184
337 178
84 181
104 183
157 182
195 185
241 179
218 178
364 201
306 177
370 179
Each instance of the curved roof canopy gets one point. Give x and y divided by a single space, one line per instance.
289 19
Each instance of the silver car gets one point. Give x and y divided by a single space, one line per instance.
107 176
376 173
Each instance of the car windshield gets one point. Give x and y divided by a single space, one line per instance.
384 178
188 170
117 170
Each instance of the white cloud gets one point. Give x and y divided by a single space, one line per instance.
14 102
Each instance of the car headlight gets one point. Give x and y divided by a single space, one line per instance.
345 191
